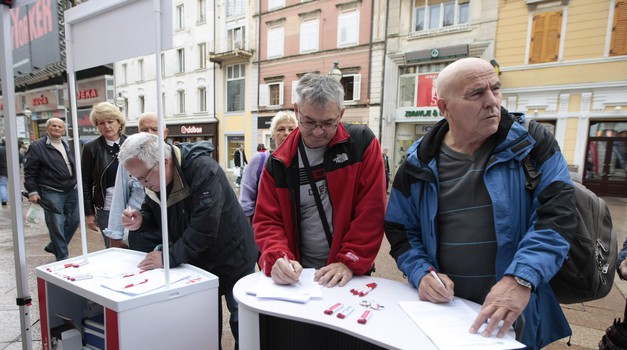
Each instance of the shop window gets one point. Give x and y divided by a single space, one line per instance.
545 37
619 29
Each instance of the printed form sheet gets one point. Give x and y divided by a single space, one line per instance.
447 326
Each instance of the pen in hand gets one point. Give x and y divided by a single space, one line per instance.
437 278
290 265
128 207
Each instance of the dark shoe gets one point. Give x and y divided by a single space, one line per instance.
4 204
49 249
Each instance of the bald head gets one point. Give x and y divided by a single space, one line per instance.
457 72
149 122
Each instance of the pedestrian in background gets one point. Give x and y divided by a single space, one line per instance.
321 197
99 165
49 175
281 126
386 165
240 161
129 193
459 205
206 225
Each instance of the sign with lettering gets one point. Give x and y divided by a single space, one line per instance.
191 129
427 96
35 36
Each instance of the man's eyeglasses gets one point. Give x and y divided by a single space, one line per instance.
145 178
311 125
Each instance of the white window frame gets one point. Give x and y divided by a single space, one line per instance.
309 35
140 70
201 11
264 94
124 73
141 103
180 101
426 10
180 53
276 42
356 88
236 38
230 76
202 55
180 17
202 99
275 4
348 28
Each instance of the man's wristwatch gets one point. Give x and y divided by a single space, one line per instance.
523 282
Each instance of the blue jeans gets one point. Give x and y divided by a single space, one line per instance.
3 189
61 227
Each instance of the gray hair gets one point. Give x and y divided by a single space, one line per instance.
144 147
282 116
320 90
49 121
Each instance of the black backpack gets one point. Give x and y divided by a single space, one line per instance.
588 273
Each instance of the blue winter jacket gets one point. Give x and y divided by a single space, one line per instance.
527 224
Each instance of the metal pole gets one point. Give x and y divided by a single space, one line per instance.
8 91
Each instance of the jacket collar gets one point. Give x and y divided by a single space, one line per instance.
180 189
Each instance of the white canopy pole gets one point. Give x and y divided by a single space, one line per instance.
69 47
10 126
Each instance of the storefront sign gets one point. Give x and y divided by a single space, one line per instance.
191 129
423 112
427 97
264 122
91 91
43 100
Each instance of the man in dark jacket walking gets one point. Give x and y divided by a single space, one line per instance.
49 175
240 161
206 225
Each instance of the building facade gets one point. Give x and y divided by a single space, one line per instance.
299 37
564 63
423 36
187 79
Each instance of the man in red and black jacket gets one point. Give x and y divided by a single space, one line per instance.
321 198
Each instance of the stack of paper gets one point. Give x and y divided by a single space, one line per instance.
300 292
447 326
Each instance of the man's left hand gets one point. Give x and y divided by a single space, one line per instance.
153 260
332 274
505 302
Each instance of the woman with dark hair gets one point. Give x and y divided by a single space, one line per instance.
99 165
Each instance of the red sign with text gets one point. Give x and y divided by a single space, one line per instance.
427 97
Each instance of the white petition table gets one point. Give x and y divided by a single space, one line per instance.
390 328
184 316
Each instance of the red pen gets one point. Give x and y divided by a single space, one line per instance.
349 310
364 317
59 267
80 263
135 284
133 274
85 276
331 310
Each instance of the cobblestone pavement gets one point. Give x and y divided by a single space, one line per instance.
588 320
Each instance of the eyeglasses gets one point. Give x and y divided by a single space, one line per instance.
144 179
311 125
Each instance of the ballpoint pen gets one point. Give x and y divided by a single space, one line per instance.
290 265
437 278
135 284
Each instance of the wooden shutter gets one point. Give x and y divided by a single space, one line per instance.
619 29
545 37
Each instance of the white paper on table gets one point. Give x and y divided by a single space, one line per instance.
300 292
115 266
144 282
447 326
